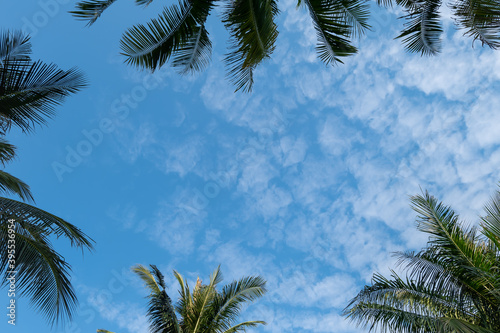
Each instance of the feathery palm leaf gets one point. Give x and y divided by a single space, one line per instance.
204 309
194 55
423 28
253 36
91 10
42 274
28 94
452 285
333 29
480 19
152 45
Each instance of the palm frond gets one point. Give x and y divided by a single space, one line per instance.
13 185
329 19
143 3
203 299
151 46
147 278
91 10
42 274
14 45
51 224
194 55
253 36
28 95
7 151
480 19
228 303
243 326
423 28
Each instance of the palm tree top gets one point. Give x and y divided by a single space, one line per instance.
452 285
201 309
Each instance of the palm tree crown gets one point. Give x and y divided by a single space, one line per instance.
203 309
452 285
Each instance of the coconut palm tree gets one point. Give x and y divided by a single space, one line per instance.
28 93
452 285
204 309
179 32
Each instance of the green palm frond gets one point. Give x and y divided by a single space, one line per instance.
161 312
104 331
452 285
329 19
480 19
147 278
228 303
243 326
151 46
42 274
51 224
423 28
28 94
194 55
91 10
253 36
13 185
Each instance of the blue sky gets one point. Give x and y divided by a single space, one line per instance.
305 181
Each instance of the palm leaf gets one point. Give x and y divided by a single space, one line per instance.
13 185
7 151
143 3
243 326
42 274
423 29
329 19
253 36
194 55
152 45
28 95
91 10
14 45
227 305
480 19
161 312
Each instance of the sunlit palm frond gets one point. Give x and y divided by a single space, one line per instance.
91 10
423 28
241 327
28 95
480 19
332 29
151 46
253 36
228 303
